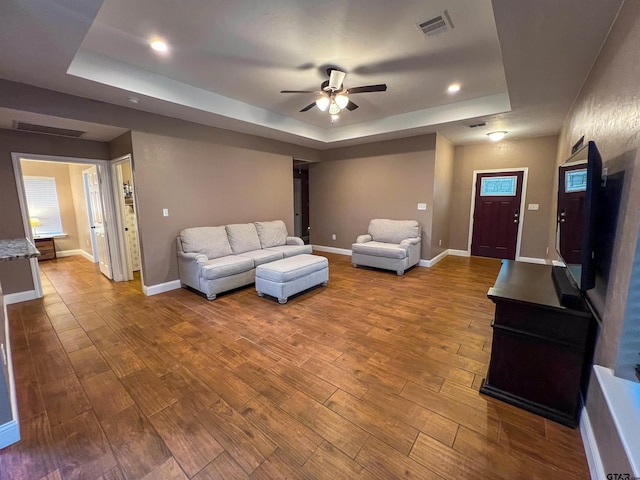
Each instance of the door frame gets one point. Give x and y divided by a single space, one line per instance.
94 243
523 195
106 192
116 176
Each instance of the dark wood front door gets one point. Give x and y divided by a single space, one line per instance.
497 214
572 188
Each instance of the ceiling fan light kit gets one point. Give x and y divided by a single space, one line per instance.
333 96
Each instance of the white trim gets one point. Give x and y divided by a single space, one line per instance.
18 297
434 260
459 253
9 433
88 256
161 287
68 253
591 448
621 397
116 174
322 248
557 263
541 261
523 194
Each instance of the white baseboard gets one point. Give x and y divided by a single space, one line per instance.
20 297
459 253
68 253
434 260
88 256
161 287
541 261
9 433
591 448
340 251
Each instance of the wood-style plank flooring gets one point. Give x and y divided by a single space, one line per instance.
373 377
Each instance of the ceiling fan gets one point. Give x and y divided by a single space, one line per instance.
334 96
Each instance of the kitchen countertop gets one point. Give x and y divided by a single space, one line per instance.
17 249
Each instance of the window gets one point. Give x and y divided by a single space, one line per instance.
575 181
498 186
42 200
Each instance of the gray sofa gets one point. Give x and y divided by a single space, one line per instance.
388 244
213 260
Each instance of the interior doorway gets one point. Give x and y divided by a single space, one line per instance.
496 214
126 216
301 199
87 243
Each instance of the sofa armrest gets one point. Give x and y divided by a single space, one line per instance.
410 241
196 257
294 241
364 238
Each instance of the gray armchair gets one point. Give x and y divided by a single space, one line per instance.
388 244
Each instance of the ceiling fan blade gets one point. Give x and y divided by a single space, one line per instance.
308 107
351 106
382 87
298 91
335 79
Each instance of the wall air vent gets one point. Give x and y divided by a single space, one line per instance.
476 125
437 25
63 132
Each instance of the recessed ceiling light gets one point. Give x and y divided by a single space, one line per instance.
496 136
133 99
158 45
453 88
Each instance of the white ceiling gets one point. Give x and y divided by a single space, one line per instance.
520 63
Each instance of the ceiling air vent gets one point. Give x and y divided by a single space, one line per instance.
437 25
63 132
476 125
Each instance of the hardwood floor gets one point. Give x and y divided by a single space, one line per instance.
373 377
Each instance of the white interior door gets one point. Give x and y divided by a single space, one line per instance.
102 241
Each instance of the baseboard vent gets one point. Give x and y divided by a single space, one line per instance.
62 132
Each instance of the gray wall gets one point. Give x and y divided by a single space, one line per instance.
378 180
538 154
442 195
202 183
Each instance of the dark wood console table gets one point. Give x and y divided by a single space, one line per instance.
541 353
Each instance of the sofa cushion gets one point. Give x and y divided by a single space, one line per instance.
272 234
392 231
291 250
243 237
262 256
209 241
379 249
225 266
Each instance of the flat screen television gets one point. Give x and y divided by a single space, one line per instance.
579 190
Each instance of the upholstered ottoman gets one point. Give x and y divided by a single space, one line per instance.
292 275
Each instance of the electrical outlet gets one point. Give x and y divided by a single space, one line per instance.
439 243
333 237
165 212
422 206
534 206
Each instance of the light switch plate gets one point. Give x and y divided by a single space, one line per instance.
534 206
165 212
422 206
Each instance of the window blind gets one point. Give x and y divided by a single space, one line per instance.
42 201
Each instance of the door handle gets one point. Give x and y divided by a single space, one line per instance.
93 227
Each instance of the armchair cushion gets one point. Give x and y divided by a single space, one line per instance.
243 237
363 238
380 249
272 234
393 231
209 241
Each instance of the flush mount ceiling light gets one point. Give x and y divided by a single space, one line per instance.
158 45
453 88
496 136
